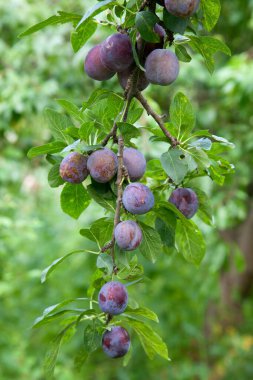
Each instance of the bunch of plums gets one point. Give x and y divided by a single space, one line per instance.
102 166
113 299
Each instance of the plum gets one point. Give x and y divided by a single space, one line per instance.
113 298
162 67
94 67
185 200
142 81
102 165
116 342
135 163
145 48
137 198
128 235
73 168
116 52
182 8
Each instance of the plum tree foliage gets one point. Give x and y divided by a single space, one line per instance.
97 158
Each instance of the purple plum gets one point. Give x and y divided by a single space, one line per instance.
116 52
137 198
145 48
116 342
73 168
102 165
186 201
113 298
182 8
128 235
94 67
162 67
142 80
135 163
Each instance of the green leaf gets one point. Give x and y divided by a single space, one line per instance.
205 209
46 272
92 339
54 178
207 47
60 18
129 131
86 130
102 229
190 241
143 312
165 224
103 195
211 13
182 115
145 22
203 143
57 124
173 23
51 356
182 54
74 199
53 147
80 36
151 342
71 109
105 261
174 164
151 245
96 9
133 36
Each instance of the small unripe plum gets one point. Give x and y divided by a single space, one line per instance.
102 165
186 201
128 235
182 8
116 52
145 48
116 342
135 163
113 298
94 67
73 168
137 198
162 67
142 81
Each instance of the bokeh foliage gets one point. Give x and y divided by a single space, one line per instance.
34 232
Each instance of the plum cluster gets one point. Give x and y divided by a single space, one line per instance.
112 300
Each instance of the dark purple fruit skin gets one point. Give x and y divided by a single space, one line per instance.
142 80
182 8
145 48
73 168
94 67
116 52
137 198
116 342
186 201
113 298
162 67
135 163
128 235
102 165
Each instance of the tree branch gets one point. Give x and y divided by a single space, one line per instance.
157 118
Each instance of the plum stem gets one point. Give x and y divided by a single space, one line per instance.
157 118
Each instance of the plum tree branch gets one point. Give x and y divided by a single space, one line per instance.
157 118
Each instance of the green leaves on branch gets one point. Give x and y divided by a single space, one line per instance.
145 22
74 199
211 13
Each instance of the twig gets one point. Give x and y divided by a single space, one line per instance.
157 118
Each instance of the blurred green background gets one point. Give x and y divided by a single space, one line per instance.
206 313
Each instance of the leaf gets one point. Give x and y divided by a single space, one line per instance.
203 143
129 131
51 356
71 109
151 342
182 54
207 47
174 164
190 241
102 229
53 147
145 22
74 199
165 225
60 18
103 195
54 178
105 261
80 36
46 272
182 115
96 9
141 312
211 13
92 339
205 209
173 23
133 36
57 124
151 245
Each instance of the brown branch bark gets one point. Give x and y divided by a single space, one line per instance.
157 118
